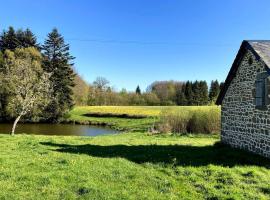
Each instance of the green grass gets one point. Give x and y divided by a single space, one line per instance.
78 115
129 166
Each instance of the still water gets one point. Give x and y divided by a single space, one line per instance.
57 129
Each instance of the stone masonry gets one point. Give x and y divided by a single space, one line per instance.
243 125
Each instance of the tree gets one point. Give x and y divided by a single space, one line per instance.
138 90
181 97
196 93
189 93
2 92
214 91
101 83
9 40
58 62
26 39
221 85
25 81
80 91
203 94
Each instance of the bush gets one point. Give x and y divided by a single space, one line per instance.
190 120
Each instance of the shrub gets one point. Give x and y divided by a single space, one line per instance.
190 120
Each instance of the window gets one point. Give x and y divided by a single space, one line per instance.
260 92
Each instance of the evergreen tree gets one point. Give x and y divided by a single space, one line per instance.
57 62
196 93
12 39
8 40
214 91
26 38
203 99
181 97
138 90
221 85
189 93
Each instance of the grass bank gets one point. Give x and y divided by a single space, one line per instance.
111 115
129 166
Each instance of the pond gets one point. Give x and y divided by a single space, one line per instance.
57 129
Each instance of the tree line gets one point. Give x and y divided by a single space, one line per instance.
159 93
25 62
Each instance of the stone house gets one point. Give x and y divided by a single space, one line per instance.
245 99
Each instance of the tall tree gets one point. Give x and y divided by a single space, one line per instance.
214 91
138 90
203 94
80 91
181 97
2 91
221 85
196 93
28 86
58 62
189 93
9 40
26 38
101 83
12 39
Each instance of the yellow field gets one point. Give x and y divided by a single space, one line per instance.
138 110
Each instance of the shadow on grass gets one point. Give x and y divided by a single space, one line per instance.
115 115
178 155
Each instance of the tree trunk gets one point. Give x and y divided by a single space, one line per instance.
15 124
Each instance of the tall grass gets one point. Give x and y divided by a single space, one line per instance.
192 120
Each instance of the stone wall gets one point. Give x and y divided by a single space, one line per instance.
243 125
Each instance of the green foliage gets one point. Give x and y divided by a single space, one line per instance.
2 92
80 91
11 39
189 93
57 61
8 40
25 82
214 91
26 39
129 166
162 93
138 90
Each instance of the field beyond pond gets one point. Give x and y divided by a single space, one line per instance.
135 118
129 166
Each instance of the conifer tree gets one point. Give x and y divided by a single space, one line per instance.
189 93
58 62
138 90
203 93
26 38
221 85
181 97
214 91
196 93
8 40
12 39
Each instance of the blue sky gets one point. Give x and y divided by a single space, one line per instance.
133 42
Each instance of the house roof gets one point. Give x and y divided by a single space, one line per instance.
261 50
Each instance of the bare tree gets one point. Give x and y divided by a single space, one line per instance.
25 81
101 83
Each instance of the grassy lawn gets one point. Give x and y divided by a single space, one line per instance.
151 113
129 166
